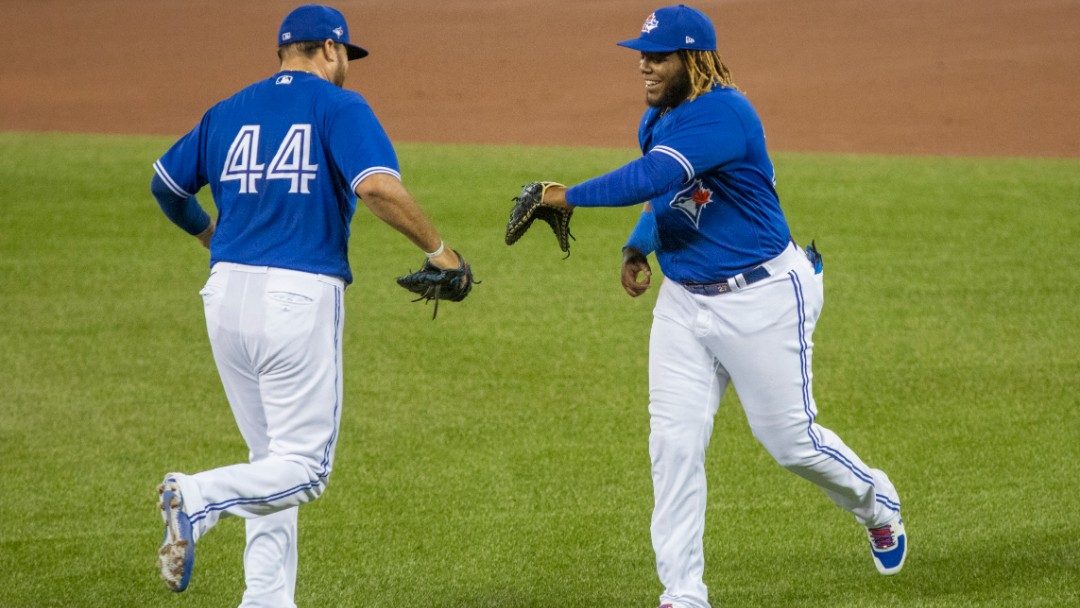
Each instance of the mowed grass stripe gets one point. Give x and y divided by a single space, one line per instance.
497 456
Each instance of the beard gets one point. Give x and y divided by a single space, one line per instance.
676 92
338 77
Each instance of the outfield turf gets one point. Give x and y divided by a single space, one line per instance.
497 456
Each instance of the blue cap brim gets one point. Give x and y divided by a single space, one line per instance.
647 46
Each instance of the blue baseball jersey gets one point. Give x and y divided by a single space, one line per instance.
724 217
282 158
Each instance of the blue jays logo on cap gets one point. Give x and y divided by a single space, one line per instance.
672 28
317 22
650 23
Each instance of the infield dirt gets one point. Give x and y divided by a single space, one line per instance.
962 77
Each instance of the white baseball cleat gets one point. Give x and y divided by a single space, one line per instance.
176 557
888 546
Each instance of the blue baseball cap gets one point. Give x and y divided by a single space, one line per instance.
317 22
672 28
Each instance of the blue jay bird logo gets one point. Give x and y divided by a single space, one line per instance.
692 200
650 24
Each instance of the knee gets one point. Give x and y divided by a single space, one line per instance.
318 477
319 486
678 441
791 448
791 460
313 490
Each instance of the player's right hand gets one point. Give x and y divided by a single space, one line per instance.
634 264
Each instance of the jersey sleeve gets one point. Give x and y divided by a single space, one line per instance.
360 146
182 168
710 135
637 181
643 237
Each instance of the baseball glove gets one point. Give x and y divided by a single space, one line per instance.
434 283
529 206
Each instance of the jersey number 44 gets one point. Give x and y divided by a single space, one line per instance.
292 161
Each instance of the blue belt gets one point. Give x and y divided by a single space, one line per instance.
740 280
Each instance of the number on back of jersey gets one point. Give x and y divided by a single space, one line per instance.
292 161
241 163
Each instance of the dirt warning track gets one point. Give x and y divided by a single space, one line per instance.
964 77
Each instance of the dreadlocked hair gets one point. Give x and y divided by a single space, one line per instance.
706 71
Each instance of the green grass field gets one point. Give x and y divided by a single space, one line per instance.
497 456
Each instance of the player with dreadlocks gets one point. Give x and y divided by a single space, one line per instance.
738 303
705 70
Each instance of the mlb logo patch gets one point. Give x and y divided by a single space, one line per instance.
286 36
283 79
650 24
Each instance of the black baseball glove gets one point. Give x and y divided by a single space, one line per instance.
529 206
434 283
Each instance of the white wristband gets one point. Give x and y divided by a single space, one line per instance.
437 252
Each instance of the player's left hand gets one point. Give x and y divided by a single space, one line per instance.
545 201
635 263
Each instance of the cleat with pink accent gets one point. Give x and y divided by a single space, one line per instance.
888 546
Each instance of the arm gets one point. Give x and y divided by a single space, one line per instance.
644 238
388 200
637 181
185 212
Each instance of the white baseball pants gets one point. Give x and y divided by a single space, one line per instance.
276 337
759 338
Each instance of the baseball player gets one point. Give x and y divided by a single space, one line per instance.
738 303
285 159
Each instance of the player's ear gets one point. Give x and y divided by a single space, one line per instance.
329 50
